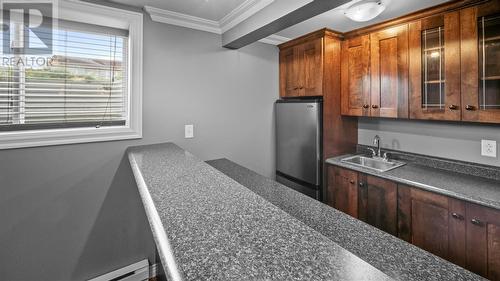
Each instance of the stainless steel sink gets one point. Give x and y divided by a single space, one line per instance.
377 164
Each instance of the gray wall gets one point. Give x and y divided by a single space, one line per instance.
71 212
460 141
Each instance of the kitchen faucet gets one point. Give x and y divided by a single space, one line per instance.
376 142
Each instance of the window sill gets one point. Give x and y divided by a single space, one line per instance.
35 138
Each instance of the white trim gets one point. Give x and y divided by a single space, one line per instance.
245 10
89 12
274 39
174 18
242 12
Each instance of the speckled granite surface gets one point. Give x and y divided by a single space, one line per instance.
470 188
396 258
209 227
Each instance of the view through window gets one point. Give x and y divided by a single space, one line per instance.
83 83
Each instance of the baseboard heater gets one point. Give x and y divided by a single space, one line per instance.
138 271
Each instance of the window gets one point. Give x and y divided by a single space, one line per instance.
89 89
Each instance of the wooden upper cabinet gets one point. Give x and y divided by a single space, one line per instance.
432 222
483 241
355 76
377 203
342 193
434 67
480 62
301 69
288 73
389 72
311 68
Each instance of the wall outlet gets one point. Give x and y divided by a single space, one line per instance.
489 148
189 131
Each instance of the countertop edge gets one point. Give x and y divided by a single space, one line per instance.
172 270
336 161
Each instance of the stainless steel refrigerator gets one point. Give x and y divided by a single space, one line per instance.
299 145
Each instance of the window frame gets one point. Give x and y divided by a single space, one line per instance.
105 16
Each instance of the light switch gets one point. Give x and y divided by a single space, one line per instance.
189 131
489 148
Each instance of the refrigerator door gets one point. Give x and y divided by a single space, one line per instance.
298 140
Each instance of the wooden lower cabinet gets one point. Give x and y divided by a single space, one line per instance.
433 222
377 203
342 193
463 233
483 241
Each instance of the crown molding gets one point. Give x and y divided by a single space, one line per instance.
274 40
242 12
179 19
245 10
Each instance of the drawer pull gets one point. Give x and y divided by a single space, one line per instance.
352 182
476 222
453 107
457 216
361 184
374 106
365 106
469 107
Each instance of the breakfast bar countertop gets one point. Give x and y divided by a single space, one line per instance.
393 256
209 227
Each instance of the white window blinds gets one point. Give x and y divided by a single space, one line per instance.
83 84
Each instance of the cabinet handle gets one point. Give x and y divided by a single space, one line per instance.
296 88
374 106
352 182
457 216
453 107
365 106
301 88
476 222
469 107
361 184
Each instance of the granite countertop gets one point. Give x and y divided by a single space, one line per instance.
209 227
470 188
396 258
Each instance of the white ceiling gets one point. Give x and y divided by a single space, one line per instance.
336 20
213 10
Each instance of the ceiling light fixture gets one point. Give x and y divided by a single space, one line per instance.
364 10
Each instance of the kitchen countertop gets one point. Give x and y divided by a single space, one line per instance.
470 188
209 227
396 258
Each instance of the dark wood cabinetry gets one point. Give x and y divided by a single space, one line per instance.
434 72
463 233
480 62
433 222
389 72
343 190
355 81
301 69
375 74
483 241
377 203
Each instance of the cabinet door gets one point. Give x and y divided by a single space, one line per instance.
343 190
432 222
377 201
483 241
389 72
288 73
311 68
480 62
355 76
434 62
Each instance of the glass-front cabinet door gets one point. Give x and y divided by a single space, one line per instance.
434 68
480 55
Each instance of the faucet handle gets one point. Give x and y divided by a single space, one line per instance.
386 156
374 153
